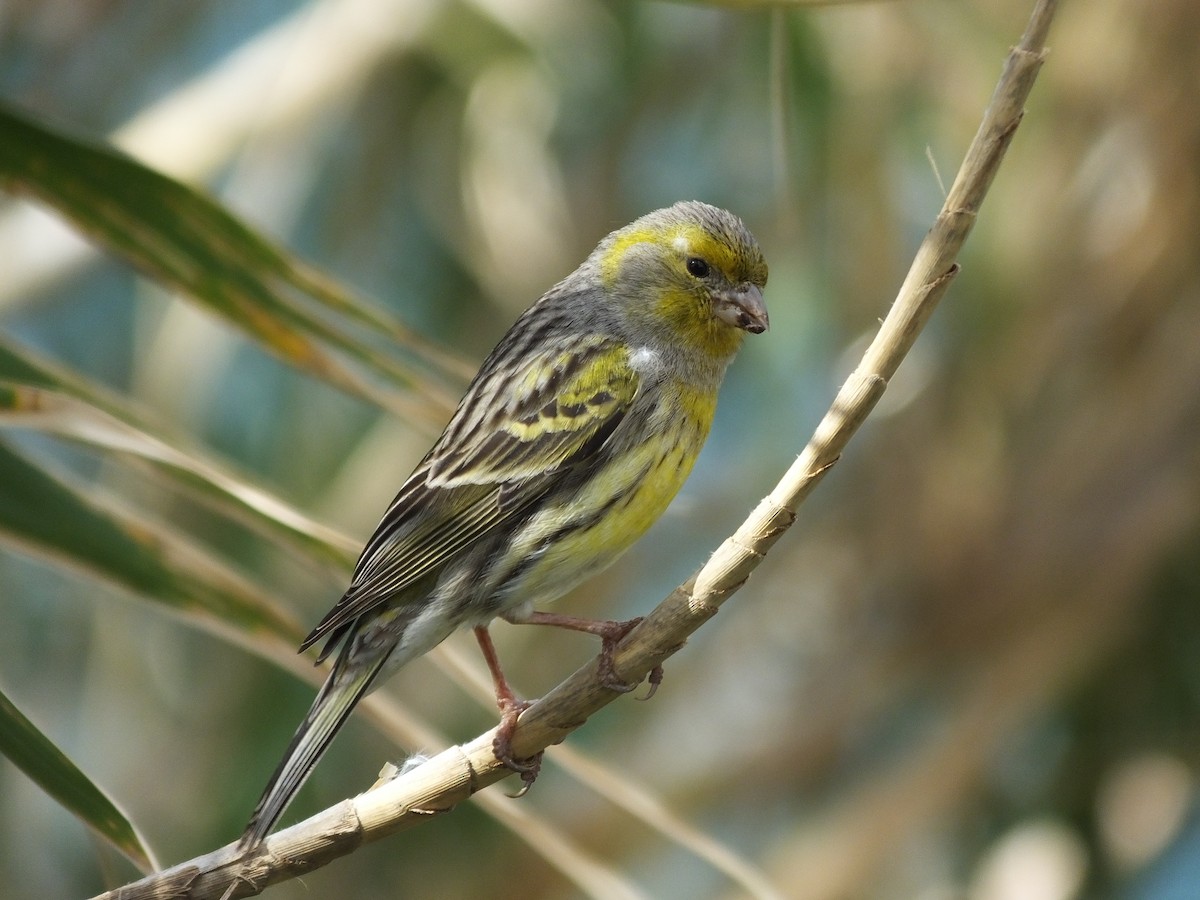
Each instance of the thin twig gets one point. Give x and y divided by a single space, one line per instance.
455 774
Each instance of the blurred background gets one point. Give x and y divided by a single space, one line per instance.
972 668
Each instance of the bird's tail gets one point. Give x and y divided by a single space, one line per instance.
342 690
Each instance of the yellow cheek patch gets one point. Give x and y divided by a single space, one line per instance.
692 320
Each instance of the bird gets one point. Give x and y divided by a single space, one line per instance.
577 431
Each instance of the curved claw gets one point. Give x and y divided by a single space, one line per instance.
523 767
528 769
609 679
654 679
502 746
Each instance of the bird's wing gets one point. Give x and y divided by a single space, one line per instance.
519 425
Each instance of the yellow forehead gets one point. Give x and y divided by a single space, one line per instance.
683 240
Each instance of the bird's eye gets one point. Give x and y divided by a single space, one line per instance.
697 267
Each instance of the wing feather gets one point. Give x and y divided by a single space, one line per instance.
553 412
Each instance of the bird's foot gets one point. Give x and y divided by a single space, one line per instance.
611 634
510 710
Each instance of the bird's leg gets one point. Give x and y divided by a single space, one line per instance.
511 708
610 633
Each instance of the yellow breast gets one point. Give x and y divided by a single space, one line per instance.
618 504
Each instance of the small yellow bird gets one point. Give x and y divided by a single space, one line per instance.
578 430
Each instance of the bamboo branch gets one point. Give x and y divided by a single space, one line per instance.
455 774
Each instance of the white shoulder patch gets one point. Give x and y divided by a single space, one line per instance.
645 361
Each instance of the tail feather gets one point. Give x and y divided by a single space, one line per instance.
337 697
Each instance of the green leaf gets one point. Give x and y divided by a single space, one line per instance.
189 243
44 515
38 394
37 756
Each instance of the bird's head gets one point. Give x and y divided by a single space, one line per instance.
691 273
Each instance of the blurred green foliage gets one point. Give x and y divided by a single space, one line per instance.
971 665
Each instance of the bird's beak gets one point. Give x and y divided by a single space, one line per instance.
743 307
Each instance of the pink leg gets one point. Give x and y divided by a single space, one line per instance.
611 633
510 710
